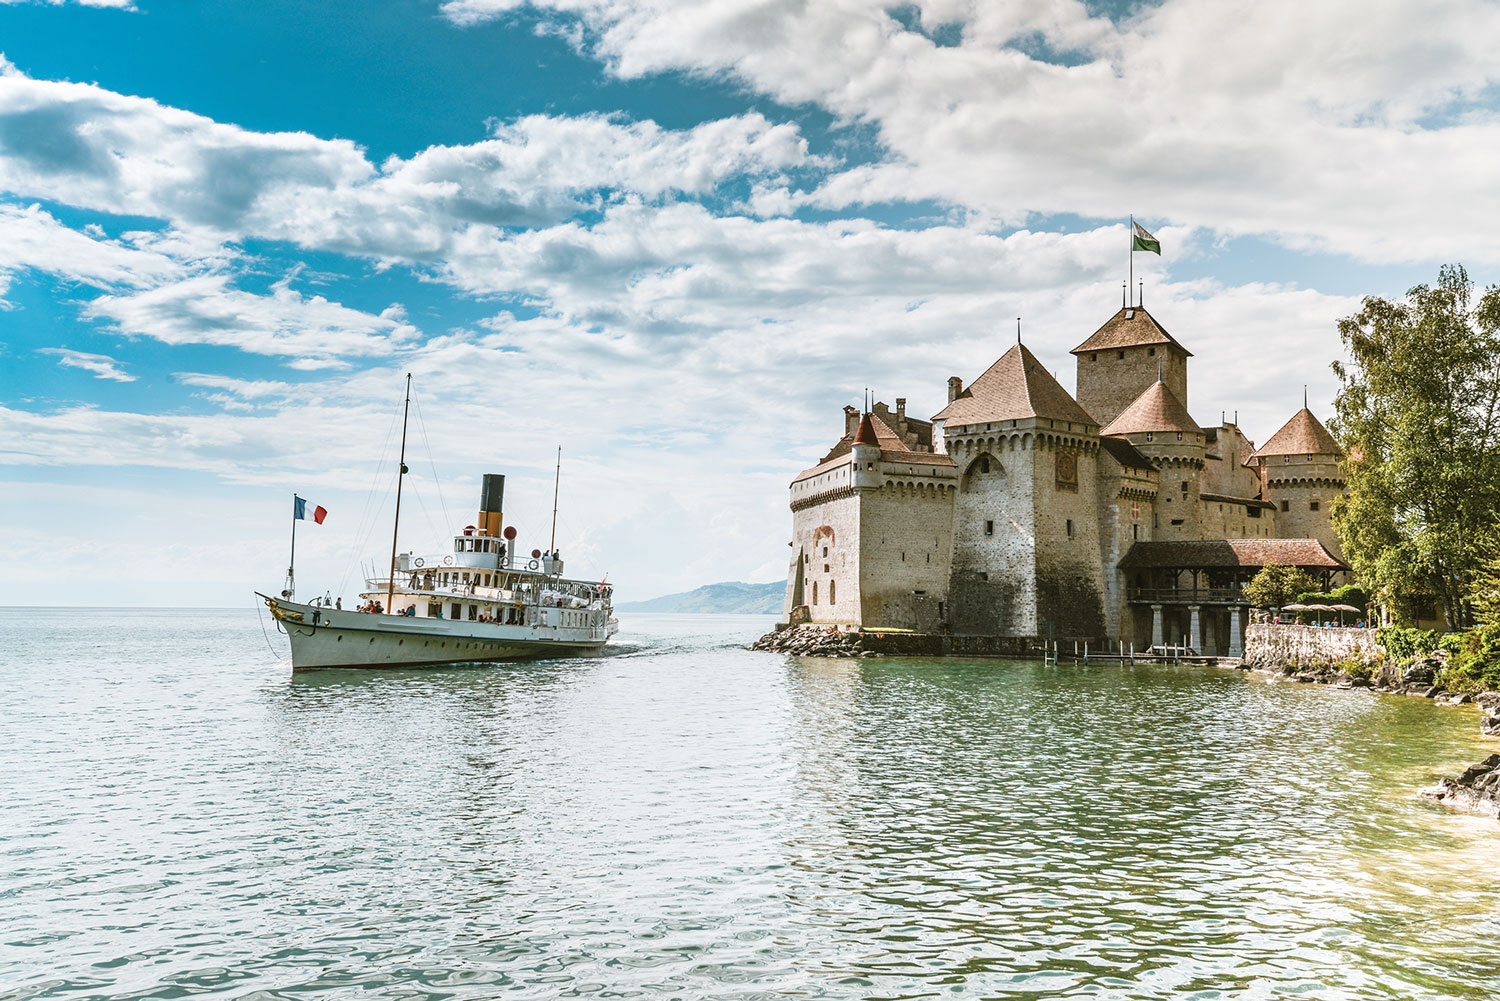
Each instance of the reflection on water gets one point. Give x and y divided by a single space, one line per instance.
684 818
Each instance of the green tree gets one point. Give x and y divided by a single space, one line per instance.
1484 592
1418 415
1275 585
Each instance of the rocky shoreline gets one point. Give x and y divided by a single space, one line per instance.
1418 679
1476 790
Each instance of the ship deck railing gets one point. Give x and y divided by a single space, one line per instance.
472 591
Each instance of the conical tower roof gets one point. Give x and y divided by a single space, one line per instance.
1016 386
866 433
1304 434
1157 409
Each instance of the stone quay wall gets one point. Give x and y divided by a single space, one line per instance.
1269 646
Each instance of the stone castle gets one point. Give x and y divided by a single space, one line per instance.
1022 511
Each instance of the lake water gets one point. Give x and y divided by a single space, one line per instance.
683 818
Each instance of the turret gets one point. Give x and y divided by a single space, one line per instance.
866 449
1300 464
1160 427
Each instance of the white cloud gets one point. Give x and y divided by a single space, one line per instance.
204 309
85 146
680 445
103 366
31 238
1307 122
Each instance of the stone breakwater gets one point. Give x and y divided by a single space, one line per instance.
811 640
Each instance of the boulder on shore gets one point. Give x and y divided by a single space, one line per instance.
1476 790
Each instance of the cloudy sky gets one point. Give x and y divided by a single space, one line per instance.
674 237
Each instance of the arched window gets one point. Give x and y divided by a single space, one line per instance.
833 592
815 592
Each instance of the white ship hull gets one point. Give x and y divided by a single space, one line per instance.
324 638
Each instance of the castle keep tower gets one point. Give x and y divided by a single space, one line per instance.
1300 464
1123 358
1025 529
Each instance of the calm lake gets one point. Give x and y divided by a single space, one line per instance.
683 818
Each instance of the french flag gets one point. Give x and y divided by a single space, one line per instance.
319 511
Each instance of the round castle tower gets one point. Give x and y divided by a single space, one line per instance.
1300 466
1161 428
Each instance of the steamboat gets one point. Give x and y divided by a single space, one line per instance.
479 602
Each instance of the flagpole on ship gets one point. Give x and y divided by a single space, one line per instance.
390 591
291 583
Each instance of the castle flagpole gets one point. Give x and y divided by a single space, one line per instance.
1130 248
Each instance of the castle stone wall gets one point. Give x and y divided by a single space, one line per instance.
1069 574
826 530
1230 520
993 590
1298 485
1126 502
905 550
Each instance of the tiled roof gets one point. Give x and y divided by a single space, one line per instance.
1126 454
828 463
1129 328
1208 553
874 431
1304 434
1157 409
1016 386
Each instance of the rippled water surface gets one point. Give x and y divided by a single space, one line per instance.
687 819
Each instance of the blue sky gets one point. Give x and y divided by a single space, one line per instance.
675 238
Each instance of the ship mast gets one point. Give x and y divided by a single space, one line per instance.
390 592
556 479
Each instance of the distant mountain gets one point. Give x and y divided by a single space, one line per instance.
730 597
